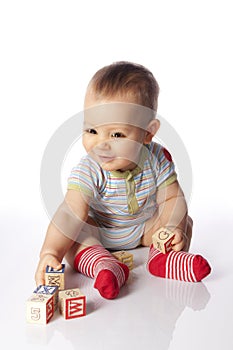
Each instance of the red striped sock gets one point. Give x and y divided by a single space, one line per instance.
96 262
180 266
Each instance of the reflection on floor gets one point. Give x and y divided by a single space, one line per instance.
144 314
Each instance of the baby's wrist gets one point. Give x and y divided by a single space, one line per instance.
174 228
45 255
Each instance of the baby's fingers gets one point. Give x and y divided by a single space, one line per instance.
177 238
53 262
40 273
48 260
178 241
178 247
39 277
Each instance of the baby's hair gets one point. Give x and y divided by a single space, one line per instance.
126 79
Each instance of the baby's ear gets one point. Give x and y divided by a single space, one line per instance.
151 130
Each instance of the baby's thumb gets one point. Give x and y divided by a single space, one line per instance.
55 264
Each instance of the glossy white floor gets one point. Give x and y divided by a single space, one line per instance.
150 312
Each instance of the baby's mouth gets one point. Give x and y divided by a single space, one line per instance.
105 159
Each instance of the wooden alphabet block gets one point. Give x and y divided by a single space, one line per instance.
125 257
72 303
162 239
48 290
39 308
55 277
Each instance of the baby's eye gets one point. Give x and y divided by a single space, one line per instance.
91 131
117 134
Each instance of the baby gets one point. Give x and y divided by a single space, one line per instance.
123 190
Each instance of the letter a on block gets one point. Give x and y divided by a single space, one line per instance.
75 307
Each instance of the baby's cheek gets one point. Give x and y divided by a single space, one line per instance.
127 149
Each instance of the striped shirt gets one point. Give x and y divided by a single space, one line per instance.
121 202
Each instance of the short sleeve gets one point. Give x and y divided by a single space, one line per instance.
85 177
163 165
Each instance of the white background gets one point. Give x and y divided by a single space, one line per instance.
49 51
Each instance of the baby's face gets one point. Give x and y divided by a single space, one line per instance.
114 145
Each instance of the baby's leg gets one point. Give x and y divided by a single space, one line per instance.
88 237
176 265
180 266
89 257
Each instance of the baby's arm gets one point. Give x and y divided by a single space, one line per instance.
172 212
62 232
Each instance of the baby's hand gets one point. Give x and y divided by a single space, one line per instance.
179 240
45 260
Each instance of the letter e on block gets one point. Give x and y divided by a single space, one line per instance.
72 303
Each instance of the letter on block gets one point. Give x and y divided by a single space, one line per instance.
72 303
55 277
162 239
40 308
48 290
124 257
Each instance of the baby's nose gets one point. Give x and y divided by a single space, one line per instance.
104 145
